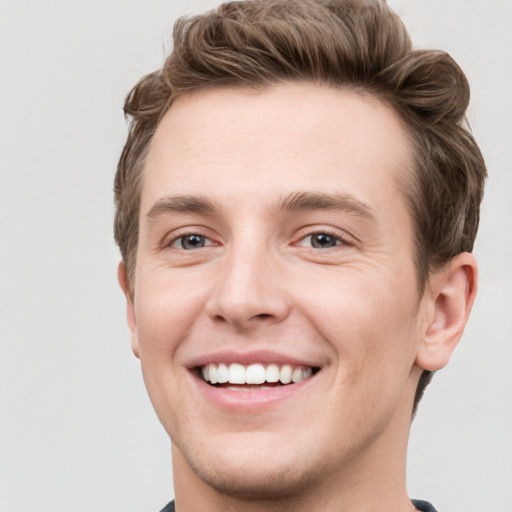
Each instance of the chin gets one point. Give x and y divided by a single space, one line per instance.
255 472
261 482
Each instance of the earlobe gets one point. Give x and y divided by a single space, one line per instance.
122 277
450 297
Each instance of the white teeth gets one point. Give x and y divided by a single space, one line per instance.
236 374
222 373
272 373
254 374
212 370
285 375
301 374
296 375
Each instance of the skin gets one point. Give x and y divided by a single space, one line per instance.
258 288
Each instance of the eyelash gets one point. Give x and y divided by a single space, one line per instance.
339 240
181 238
177 242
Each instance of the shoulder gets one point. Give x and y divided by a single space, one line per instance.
169 507
423 506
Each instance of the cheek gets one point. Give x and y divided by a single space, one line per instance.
368 318
165 309
370 328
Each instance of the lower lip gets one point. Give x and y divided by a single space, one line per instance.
251 400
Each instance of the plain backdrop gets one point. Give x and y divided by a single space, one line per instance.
77 432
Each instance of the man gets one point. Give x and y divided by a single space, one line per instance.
297 202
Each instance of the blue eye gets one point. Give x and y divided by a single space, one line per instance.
321 241
190 242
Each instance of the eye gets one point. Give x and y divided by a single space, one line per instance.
191 242
321 241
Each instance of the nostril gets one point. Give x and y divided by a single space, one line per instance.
245 312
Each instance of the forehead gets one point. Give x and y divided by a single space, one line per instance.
236 144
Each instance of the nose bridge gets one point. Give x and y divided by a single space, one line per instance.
248 287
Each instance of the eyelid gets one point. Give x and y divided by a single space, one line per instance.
174 236
302 241
175 241
342 237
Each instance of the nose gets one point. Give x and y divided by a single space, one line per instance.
248 290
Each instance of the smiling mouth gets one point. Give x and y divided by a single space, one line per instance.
238 377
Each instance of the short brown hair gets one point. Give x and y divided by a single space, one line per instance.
350 44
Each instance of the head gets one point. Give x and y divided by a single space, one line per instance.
353 45
359 48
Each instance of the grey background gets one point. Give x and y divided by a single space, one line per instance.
77 432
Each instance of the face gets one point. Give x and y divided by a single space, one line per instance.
275 245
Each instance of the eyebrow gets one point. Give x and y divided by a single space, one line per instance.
298 201
179 203
301 201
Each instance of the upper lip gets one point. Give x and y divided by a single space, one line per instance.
251 357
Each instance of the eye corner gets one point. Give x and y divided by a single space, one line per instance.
188 239
322 239
191 242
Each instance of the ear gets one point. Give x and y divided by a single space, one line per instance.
122 277
450 295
